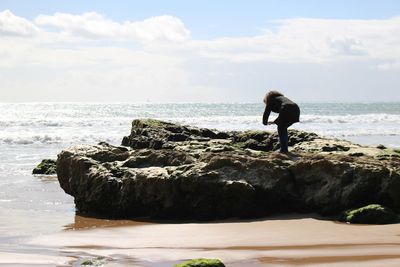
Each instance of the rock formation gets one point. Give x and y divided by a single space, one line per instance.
165 170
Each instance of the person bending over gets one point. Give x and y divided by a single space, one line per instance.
289 113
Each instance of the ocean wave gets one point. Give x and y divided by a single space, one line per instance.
115 136
304 118
62 122
27 140
54 139
334 126
340 119
222 121
72 131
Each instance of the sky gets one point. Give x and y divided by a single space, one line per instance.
199 51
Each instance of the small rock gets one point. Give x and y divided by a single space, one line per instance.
201 263
98 261
46 167
381 146
371 214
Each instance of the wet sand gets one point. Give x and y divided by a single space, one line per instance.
290 240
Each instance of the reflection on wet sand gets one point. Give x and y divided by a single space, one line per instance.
82 223
329 259
298 241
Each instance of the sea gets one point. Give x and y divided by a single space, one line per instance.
35 205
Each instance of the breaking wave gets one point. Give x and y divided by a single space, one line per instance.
35 124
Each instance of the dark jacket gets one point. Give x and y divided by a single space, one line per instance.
289 112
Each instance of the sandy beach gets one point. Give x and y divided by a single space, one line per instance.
289 240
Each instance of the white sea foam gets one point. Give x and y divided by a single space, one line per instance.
59 121
27 140
351 119
113 131
55 138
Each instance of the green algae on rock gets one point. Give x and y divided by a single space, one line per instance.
371 214
97 261
46 167
201 263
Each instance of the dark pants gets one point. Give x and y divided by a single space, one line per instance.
283 138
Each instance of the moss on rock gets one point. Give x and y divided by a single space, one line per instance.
98 261
47 167
371 214
259 136
201 263
145 123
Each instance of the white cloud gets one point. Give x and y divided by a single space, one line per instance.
300 40
11 25
311 41
347 46
90 57
95 26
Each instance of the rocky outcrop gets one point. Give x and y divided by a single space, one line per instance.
46 167
166 170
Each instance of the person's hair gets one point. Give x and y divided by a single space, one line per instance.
270 95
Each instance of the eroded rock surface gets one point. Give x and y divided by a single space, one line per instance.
166 170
